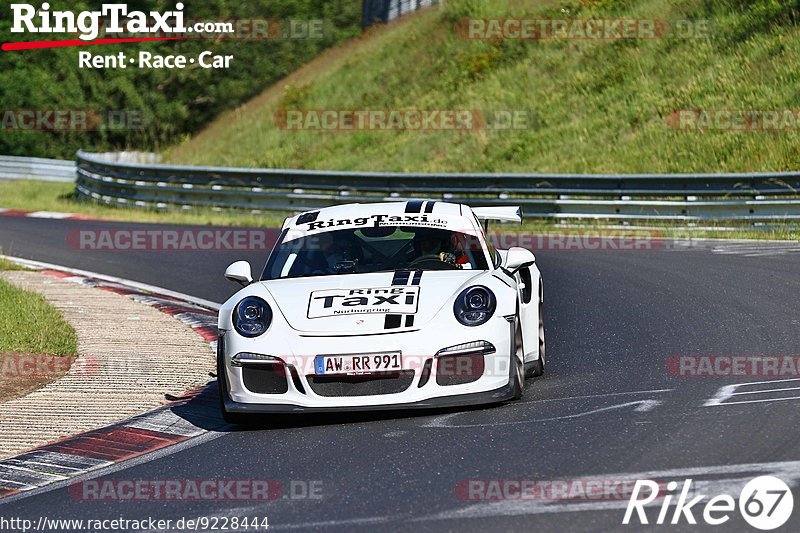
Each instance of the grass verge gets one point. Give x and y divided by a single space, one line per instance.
31 325
60 197
5 264
591 105
37 345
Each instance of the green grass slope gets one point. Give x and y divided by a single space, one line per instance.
597 105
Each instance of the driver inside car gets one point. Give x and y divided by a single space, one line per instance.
428 245
329 255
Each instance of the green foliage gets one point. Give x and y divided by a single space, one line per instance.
172 103
28 324
454 11
5 264
593 105
294 96
742 19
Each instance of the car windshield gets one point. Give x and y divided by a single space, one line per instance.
375 249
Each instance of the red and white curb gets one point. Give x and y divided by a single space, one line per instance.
200 318
88 451
43 214
190 416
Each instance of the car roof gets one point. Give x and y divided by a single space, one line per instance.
433 207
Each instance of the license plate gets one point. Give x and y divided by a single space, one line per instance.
366 363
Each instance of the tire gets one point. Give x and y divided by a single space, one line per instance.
230 418
535 369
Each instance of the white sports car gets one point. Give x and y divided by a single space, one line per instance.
382 306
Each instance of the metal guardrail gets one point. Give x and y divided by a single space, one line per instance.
683 197
34 168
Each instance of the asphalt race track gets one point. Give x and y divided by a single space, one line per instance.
607 409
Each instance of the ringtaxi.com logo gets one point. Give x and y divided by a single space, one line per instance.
28 19
766 503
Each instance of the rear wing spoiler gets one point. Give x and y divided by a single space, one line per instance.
511 213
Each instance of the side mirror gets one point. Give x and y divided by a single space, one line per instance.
240 273
518 258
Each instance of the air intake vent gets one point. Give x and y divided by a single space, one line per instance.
265 379
459 369
385 383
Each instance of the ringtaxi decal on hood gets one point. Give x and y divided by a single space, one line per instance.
383 300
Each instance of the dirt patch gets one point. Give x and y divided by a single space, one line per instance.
23 373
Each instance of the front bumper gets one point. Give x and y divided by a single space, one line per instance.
460 400
418 386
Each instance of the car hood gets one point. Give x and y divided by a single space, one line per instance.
362 304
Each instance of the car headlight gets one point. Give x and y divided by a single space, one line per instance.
252 317
475 306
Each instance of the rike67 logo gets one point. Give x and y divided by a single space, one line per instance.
765 503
